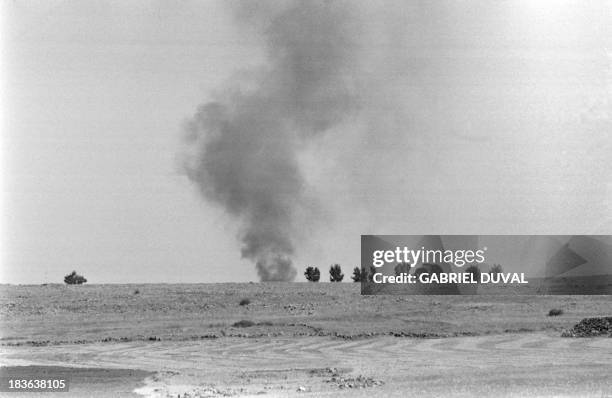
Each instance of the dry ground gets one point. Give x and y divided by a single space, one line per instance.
308 340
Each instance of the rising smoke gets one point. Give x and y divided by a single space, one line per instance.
243 147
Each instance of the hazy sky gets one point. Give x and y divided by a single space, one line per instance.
477 118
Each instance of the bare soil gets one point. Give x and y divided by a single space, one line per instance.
307 339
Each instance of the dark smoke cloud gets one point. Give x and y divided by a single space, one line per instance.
243 147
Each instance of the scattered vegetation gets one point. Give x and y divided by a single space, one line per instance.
363 274
245 301
335 273
74 279
370 275
312 274
496 269
247 324
136 291
243 324
555 312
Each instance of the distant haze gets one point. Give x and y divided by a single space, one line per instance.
302 125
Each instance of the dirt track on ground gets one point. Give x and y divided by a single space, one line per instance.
530 364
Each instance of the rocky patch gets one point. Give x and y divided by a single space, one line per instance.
591 327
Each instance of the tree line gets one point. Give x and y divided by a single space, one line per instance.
313 274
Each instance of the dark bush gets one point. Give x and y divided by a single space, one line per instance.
74 279
358 275
243 324
555 312
312 274
335 273
245 301
363 274
370 274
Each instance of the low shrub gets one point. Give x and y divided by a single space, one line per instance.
335 273
245 301
312 274
74 279
555 312
243 324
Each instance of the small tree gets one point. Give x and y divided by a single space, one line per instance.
74 279
369 274
363 274
496 269
312 274
335 273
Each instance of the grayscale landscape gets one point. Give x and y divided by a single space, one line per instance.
189 160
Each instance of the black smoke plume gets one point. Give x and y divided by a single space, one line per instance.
243 147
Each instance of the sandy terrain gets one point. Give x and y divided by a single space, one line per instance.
307 340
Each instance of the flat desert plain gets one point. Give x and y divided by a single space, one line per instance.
300 339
